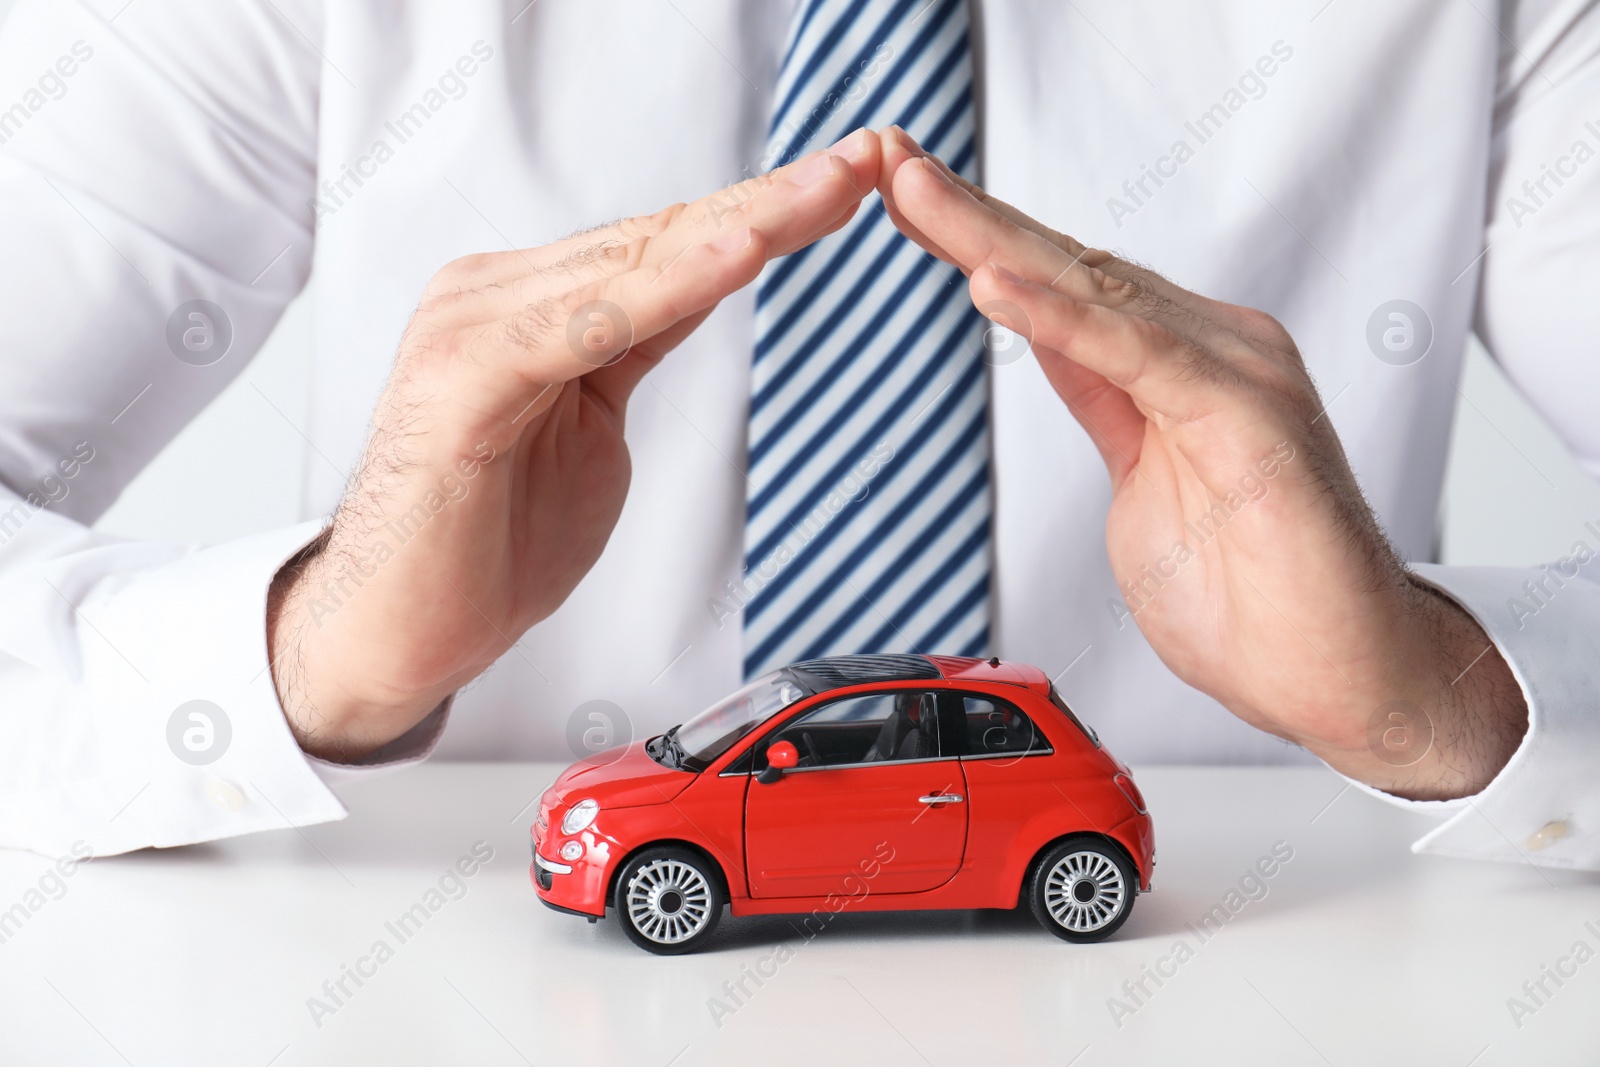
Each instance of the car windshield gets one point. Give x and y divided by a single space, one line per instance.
713 731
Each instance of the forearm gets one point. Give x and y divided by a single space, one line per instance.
345 677
496 465
1443 719
328 719
1298 616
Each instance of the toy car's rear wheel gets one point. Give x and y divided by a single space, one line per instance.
669 900
1083 889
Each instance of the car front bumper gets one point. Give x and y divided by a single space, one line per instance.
578 887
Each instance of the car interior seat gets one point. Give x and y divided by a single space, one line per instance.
895 729
920 740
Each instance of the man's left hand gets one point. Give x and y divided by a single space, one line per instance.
1242 542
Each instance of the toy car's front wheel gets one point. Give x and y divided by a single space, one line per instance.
1083 889
669 900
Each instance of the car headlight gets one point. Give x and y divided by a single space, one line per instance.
579 816
572 850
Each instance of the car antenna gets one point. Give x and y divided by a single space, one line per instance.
994 661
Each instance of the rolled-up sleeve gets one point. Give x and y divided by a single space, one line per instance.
156 168
139 707
1544 805
1542 238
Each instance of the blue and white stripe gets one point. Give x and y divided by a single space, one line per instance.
868 507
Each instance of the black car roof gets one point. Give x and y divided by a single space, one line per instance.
835 672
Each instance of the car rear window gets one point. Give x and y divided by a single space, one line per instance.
1061 705
996 727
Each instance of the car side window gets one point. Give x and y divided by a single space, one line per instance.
862 730
996 727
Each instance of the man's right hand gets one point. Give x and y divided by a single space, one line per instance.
495 466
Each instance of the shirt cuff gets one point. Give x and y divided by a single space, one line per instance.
165 726
196 627
1544 805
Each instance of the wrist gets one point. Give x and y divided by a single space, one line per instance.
1445 717
329 718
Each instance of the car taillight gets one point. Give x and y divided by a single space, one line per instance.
1130 791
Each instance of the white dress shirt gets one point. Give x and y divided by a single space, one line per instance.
1316 160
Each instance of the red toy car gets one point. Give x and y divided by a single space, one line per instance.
865 782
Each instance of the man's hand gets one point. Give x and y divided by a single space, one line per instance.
1244 547
495 466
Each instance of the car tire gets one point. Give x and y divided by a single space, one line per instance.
669 900
1082 889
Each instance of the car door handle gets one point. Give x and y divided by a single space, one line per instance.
941 798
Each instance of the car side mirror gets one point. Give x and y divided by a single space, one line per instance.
781 756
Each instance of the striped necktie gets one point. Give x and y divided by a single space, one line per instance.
867 514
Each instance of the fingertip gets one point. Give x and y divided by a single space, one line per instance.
896 139
1001 276
918 177
1002 296
930 166
896 147
862 153
985 281
893 154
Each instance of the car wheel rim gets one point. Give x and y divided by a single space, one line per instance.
669 901
1084 891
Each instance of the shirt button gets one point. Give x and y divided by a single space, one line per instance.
224 795
1547 835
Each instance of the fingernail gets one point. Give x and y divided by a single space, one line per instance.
933 168
900 131
733 240
811 169
852 147
1006 276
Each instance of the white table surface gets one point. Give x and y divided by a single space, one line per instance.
1360 953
